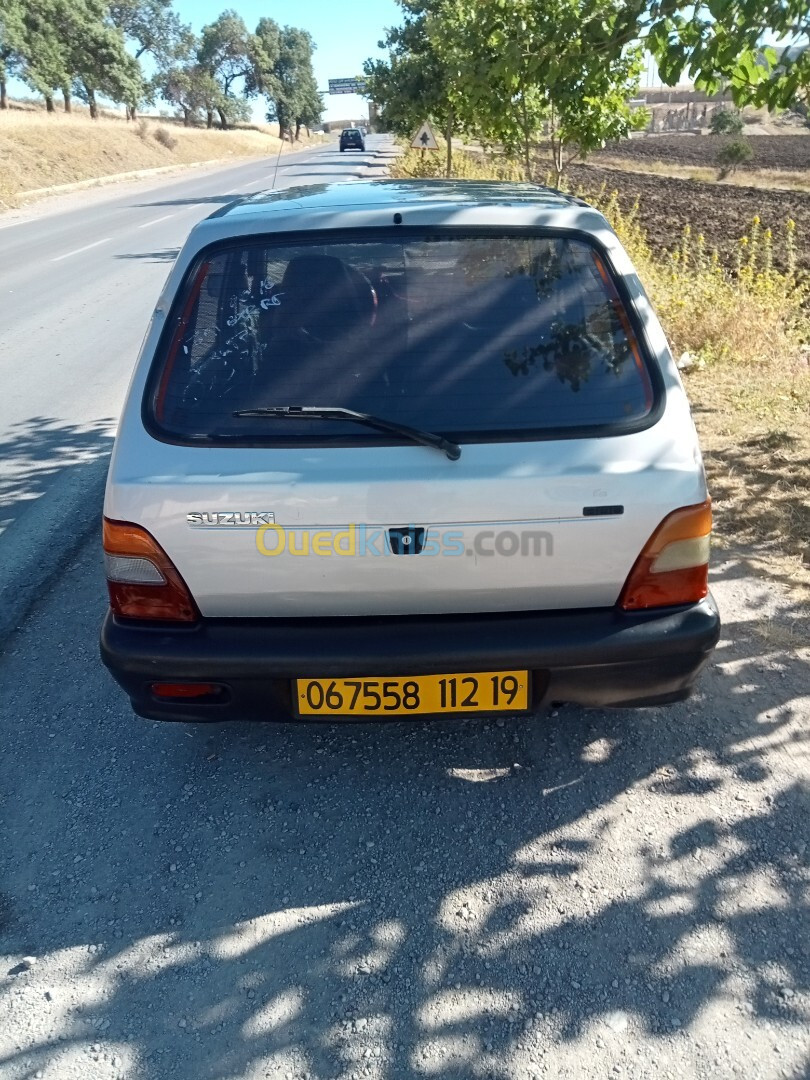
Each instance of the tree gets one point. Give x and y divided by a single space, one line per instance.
310 108
226 53
418 81
96 56
721 45
725 122
10 45
190 88
282 71
44 67
527 64
733 153
152 27
574 63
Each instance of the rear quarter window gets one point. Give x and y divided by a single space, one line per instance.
477 337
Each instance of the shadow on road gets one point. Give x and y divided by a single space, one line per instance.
162 255
448 900
37 453
51 488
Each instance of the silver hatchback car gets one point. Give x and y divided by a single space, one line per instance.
405 449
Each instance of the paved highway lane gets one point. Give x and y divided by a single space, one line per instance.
77 288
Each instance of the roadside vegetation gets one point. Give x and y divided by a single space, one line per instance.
38 151
539 87
740 326
509 73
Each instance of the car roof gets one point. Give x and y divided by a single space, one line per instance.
373 203
399 194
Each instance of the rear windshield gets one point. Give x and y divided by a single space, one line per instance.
472 337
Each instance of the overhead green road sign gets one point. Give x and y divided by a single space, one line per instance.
347 86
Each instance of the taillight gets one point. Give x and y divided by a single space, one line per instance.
185 690
673 567
141 578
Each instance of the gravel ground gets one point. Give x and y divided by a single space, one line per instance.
584 894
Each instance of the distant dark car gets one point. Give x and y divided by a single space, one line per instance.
352 139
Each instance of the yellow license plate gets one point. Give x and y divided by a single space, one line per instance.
480 691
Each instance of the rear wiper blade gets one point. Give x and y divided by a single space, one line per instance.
332 412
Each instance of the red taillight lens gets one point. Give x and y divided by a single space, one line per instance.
141 578
673 567
184 690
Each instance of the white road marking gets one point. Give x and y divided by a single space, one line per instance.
156 221
78 251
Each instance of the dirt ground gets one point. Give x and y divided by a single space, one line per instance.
723 213
789 152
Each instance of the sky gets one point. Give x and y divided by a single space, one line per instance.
346 33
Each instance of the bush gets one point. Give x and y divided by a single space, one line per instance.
725 122
142 130
734 153
466 166
165 138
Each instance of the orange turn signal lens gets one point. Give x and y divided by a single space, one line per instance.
673 567
141 579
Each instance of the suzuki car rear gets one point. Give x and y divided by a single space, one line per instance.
404 450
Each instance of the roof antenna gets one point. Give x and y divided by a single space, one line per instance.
278 156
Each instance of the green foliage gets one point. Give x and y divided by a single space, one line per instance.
504 69
731 154
414 84
726 122
10 43
293 98
152 27
225 54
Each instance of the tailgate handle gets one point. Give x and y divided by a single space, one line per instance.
406 540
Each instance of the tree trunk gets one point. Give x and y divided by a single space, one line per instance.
91 101
185 115
223 123
556 149
297 130
527 161
449 166
3 95
67 100
49 103
209 118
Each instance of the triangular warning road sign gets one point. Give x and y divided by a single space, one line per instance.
424 139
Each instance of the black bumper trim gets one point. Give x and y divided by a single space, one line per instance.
600 657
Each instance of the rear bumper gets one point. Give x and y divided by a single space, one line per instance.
600 657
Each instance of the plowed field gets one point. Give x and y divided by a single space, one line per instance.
788 152
722 212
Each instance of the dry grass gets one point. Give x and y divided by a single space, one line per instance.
772 179
754 427
40 151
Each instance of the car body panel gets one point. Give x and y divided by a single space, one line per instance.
536 490
578 511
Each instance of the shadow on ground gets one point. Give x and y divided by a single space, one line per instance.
448 900
161 255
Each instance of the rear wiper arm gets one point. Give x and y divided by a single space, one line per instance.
331 412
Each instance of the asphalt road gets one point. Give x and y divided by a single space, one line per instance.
581 894
77 287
